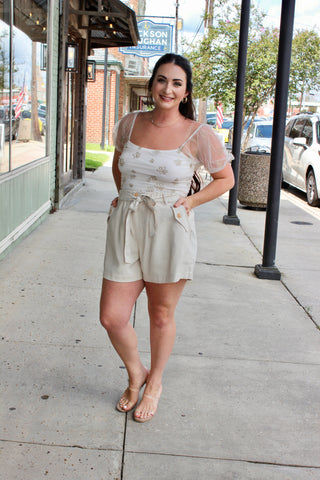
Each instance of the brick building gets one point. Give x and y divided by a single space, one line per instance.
112 94
105 98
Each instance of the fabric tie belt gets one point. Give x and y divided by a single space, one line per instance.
130 254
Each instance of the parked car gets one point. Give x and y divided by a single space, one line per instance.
225 127
5 120
42 107
301 158
42 116
259 137
27 114
211 118
245 128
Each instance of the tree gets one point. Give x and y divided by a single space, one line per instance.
4 62
305 63
215 60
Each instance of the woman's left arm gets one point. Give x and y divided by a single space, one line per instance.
222 181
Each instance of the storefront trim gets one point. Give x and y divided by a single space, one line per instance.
24 227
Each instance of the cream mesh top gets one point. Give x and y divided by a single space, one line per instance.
153 172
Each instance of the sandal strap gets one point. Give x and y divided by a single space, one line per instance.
134 389
152 397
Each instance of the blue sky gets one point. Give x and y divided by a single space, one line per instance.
307 12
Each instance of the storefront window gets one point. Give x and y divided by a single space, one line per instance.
4 88
23 38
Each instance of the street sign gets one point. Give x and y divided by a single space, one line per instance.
155 39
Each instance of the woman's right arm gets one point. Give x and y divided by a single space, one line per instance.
115 169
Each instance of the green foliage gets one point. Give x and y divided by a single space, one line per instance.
97 147
4 61
261 69
95 160
93 164
305 62
215 60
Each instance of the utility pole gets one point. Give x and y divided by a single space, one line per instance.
176 30
208 22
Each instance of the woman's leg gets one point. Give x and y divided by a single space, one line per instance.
116 304
162 302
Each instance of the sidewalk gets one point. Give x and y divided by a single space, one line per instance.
241 390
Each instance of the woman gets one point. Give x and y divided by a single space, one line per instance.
151 240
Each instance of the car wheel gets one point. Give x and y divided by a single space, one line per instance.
311 189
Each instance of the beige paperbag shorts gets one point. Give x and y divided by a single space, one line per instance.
149 239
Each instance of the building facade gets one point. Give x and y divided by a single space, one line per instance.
116 85
44 50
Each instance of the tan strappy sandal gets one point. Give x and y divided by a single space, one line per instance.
155 399
120 406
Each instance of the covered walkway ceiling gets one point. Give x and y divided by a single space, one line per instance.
110 23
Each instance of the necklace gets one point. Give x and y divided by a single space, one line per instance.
162 126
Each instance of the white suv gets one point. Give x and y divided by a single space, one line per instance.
301 157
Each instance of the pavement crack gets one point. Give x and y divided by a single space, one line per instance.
238 359
58 445
229 265
300 304
226 459
124 447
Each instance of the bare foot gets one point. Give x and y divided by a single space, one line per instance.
130 396
148 405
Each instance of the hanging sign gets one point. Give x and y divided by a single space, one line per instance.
155 39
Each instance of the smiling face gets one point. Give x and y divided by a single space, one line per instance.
169 86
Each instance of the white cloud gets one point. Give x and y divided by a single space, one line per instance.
307 13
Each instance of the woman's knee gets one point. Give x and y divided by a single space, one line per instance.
116 303
113 321
161 316
106 321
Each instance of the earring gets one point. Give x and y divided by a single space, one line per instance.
185 99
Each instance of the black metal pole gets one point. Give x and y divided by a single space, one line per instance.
176 27
105 82
232 218
268 269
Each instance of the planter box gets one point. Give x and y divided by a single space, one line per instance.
254 179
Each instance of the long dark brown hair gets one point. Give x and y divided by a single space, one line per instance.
186 109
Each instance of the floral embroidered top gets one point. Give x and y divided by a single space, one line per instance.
153 172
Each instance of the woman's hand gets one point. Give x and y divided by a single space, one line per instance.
185 202
114 202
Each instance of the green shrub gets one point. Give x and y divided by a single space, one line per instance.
95 157
97 148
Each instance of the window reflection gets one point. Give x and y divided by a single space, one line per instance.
24 84
4 94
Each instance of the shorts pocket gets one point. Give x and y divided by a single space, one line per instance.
112 208
181 216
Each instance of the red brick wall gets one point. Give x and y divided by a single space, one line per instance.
95 106
95 99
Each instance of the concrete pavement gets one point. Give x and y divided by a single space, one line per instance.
241 389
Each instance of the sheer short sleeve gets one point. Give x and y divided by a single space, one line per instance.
209 149
122 130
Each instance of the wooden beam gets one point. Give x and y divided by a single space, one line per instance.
94 13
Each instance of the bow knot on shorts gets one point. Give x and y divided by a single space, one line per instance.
148 238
